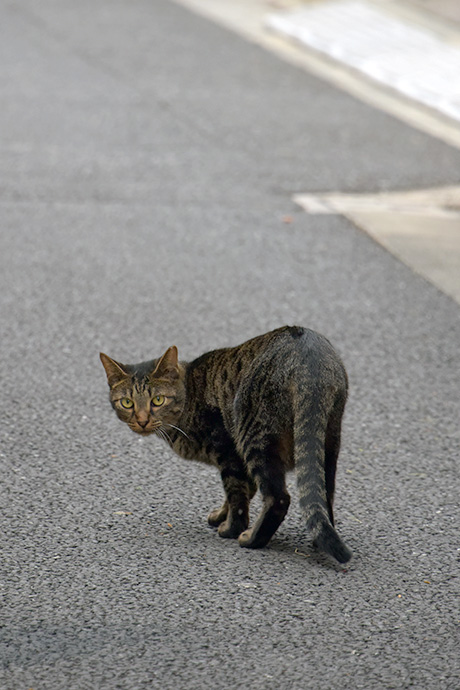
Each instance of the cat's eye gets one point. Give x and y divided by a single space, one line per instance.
158 400
126 403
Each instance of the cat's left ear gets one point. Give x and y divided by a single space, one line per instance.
168 366
114 370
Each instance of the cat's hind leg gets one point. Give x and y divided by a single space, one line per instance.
266 451
265 465
233 517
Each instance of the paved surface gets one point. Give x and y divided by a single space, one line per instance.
251 18
149 160
421 227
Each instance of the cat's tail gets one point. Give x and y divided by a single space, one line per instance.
325 537
311 470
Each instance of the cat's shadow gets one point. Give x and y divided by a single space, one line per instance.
296 552
289 549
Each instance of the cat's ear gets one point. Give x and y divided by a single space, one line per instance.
168 366
115 372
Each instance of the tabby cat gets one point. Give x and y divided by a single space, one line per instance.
255 411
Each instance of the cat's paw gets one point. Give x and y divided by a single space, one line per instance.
217 517
252 539
230 530
245 538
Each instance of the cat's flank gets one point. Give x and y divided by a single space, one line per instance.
272 404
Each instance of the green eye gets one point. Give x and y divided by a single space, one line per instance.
126 403
158 400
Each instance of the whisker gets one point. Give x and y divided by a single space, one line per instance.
162 434
158 433
165 433
182 432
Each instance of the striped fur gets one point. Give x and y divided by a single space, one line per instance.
254 411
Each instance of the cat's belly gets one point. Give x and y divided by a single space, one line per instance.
193 451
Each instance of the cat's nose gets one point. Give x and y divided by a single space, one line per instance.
143 423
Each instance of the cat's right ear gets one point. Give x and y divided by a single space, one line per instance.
115 372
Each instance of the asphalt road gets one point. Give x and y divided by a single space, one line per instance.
148 160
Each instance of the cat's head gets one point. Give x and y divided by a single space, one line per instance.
149 396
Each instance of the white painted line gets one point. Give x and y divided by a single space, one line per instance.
409 59
421 228
441 202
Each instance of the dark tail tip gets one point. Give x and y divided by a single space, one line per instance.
326 539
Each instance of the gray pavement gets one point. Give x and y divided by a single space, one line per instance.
149 160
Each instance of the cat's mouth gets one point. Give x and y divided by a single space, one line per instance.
143 430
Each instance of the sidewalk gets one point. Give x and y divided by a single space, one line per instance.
403 58
412 53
